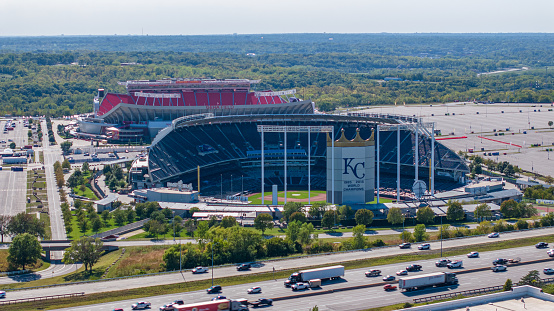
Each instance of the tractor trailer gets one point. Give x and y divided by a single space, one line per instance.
216 305
427 280
327 273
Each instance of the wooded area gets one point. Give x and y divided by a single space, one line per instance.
59 75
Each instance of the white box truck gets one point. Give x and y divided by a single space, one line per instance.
327 273
427 280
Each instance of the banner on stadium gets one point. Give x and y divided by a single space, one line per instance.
289 92
542 201
157 95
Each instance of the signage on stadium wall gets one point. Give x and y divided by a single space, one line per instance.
289 92
219 107
157 95
180 186
542 201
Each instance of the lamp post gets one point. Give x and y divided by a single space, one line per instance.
441 235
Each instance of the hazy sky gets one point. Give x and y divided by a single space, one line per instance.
187 17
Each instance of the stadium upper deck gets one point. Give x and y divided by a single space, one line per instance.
171 98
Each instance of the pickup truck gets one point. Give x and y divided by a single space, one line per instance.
300 286
262 302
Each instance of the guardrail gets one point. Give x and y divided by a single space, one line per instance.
32 299
13 272
122 230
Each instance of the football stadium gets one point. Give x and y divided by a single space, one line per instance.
207 132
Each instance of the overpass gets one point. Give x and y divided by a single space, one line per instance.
60 245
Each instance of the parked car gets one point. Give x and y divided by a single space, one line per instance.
541 245
424 246
86 154
548 271
500 261
254 290
405 245
373 272
214 289
402 272
493 235
389 287
499 268
442 262
300 286
243 267
473 255
262 302
219 297
141 305
200 270
413 268
389 278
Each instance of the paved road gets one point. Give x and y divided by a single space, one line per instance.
52 271
264 266
51 155
360 299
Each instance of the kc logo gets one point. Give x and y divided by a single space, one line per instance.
354 169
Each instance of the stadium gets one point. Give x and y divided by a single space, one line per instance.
211 126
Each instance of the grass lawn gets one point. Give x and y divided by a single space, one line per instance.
301 194
139 260
167 236
40 265
87 193
76 233
228 281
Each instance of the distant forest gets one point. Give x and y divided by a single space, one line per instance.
59 75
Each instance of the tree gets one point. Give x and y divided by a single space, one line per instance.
329 219
549 180
171 258
12 145
293 229
406 236
550 123
425 215
345 212
522 224
106 216
317 210
4 225
26 223
24 250
119 217
154 227
263 222
131 215
358 239
420 233
190 226
177 225
508 285
228 221
96 224
83 225
201 231
363 217
509 209
85 167
305 234
532 278
395 216
86 250
290 208
298 216
66 165
482 211
66 146
455 211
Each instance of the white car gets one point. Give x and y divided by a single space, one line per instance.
548 271
550 253
2 294
200 270
424 246
499 268
300 286
455 264
473 255
141 305
493 235
254 290
402 272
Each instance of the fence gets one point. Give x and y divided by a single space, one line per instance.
32 299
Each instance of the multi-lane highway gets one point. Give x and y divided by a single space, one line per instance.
360 299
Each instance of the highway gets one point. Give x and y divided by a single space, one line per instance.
360 299
297 263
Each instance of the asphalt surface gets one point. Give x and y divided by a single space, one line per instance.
263 266
361 298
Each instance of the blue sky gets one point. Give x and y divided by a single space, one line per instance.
173 17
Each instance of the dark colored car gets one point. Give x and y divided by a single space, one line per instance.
262 302
500 261
243 267
541 245
405 245
214 289
413 268
442 262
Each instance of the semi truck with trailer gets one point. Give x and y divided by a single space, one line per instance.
427 280
326 273
216 305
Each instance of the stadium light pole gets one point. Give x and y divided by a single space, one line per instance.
221 187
